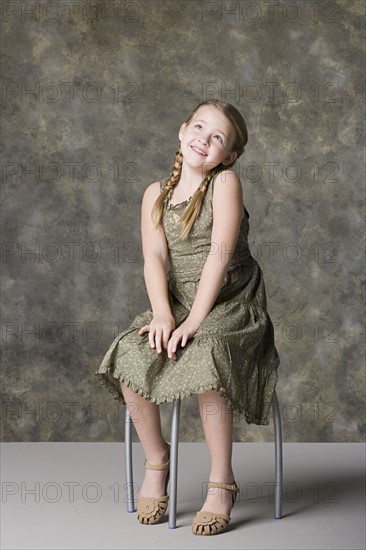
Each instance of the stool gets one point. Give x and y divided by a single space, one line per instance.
172 506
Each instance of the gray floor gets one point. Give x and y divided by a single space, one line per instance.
72 496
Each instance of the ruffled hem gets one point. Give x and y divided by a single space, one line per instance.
236 406
245 381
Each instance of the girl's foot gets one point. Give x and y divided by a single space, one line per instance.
219 501
213 522
154 481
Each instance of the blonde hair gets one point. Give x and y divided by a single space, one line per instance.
193 209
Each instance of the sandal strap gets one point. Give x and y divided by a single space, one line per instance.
151 466
202 516
229 486
164 466
143 501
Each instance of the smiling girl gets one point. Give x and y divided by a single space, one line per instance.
208 332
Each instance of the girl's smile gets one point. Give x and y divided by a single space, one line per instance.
199 151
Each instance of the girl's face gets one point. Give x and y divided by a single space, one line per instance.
207 139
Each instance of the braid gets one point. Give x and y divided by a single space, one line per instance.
176 171
158 208
193 210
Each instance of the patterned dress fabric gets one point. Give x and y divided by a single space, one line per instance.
233 350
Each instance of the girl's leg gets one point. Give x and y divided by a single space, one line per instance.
217 422
146 419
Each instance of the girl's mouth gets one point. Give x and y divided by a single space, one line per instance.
199 151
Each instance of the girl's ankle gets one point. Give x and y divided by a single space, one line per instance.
160 457
222 477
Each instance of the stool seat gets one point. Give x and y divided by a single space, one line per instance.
172 506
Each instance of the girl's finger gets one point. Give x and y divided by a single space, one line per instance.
151 339
171 353
174 342
158 342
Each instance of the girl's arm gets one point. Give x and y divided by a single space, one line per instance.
155 253
227 205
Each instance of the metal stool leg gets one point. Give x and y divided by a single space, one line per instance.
129 472
278 456
174 465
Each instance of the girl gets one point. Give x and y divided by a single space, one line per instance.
208 331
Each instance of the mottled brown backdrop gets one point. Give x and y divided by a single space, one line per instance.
93 94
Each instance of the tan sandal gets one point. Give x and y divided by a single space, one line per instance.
209 523
150 510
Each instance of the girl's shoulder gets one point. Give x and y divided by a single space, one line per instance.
225 179
155 187
226 175
228 179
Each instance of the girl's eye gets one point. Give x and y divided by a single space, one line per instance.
198 125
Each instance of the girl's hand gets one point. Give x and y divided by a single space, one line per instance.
159 331
185 331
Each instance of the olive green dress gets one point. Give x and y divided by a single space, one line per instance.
233 350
